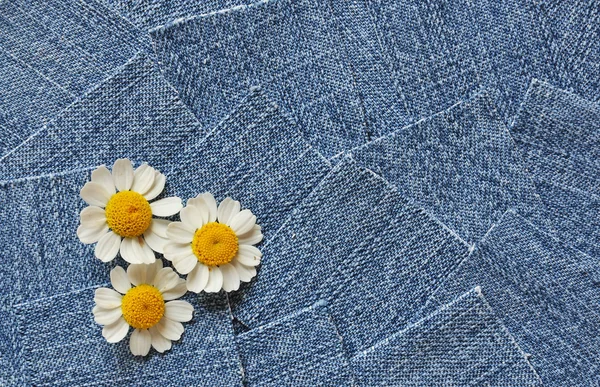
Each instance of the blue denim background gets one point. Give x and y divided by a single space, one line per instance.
438 116
51 52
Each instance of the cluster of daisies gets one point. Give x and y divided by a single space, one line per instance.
212 245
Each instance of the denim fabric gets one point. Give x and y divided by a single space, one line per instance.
50 336
357 243
256 155
62 345
461 344
461 165
133 114
52 51
303 349
153 13
545 292
558 134
287 47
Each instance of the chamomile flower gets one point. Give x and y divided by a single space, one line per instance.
214 246
146 306
120 217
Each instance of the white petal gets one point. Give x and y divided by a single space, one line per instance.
128 251
193 217
177 250
143 274
248 255
106 316
157 187
169 329
142 249
197 279
243 222
181 311
155 241
92 216
102 176
91 234
206 201
227 210
252 237
108 247
179 290
185 264
215 280
107 298
158 341
94 194
119 280
116 331
143 178
139 342
166 207
180 232
231 279
159 227
165 279
122 173
246 273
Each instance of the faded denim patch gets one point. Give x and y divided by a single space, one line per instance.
461 344
51 52
545 292
301 349
357 243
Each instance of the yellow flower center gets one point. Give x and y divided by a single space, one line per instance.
128 214
215 244
143 306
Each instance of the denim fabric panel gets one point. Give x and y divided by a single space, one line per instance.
256 155
573 28
41 255
575 213
559 136
303 349
288 47
134 114
460 164
147 14
545 292
357 243
54 51
384 107
442 51
63 345
461 344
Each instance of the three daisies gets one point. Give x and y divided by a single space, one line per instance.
212 244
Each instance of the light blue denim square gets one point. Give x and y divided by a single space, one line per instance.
461 344
545 292
51 52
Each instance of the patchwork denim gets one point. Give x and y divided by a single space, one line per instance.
303 349
50 53
545 292
357 243
461 165
287 47
134 114
558 134
460 344
153 13
46 276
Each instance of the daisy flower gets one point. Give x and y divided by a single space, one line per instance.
123 221
142 306
214 245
